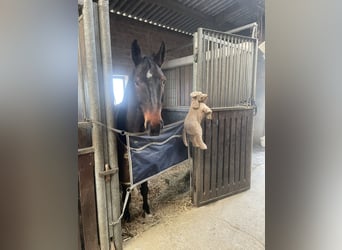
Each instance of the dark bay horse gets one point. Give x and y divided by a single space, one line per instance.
140 110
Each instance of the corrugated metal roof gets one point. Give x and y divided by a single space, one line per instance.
188 15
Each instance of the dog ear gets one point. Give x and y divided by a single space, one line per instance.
203 97
194 99
195 94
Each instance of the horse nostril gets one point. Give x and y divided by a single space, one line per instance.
147 125
154 130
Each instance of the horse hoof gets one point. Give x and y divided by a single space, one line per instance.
127 218
147 215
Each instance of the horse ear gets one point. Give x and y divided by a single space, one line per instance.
136 53
159 57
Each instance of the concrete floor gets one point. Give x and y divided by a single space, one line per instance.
236 222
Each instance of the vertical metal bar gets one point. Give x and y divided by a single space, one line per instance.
95 115
223 71
229 76
102 109
249 71
227 72
237 79
243 62
219 70
243 65
129 160
178 92
222 67
217 86
207 57
234 70
81 94
197 85
172 87
211 81
174 92
195 63
255 60
239 71
103 114
246 71
103 6
245 95
83 70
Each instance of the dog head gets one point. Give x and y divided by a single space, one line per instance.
197 97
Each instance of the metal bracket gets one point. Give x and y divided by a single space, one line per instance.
108 172
196 56
255 107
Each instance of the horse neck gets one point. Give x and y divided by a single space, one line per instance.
133 116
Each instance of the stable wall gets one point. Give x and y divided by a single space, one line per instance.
124 30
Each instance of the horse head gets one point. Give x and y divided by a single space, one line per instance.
149 83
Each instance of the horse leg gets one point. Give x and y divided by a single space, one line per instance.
127 215
144 193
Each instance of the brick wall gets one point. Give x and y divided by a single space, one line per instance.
124 30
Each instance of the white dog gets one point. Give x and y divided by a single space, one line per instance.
192 123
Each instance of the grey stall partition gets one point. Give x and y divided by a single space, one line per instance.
223 65
99 196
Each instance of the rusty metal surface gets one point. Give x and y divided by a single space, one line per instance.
87 201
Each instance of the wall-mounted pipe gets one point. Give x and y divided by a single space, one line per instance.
247 26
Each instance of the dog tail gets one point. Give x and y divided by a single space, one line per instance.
184 138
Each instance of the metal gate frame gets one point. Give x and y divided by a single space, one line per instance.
225 69
99 160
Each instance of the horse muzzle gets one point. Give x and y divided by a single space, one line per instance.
153 124
154 130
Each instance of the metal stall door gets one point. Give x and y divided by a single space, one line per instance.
224 68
